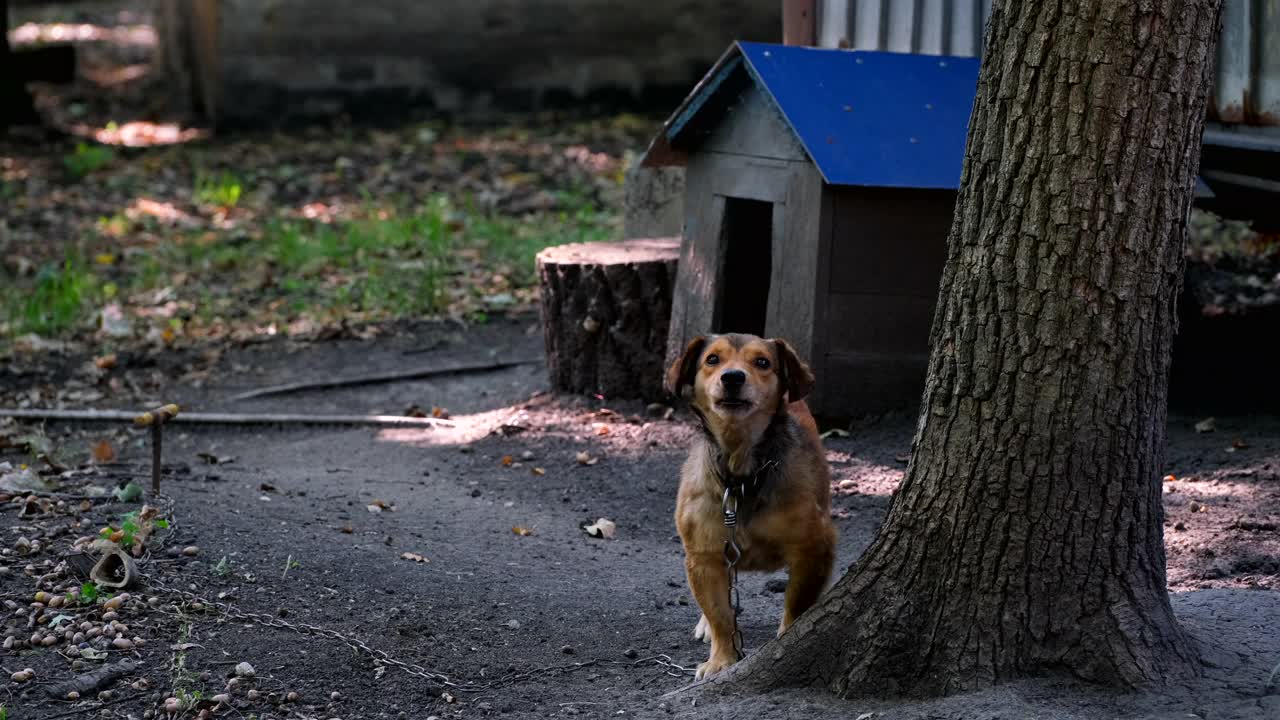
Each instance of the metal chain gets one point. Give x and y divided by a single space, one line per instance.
381 656
732 554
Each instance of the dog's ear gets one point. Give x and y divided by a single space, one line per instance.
683 370
796 377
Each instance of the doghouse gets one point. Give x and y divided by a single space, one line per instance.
819 193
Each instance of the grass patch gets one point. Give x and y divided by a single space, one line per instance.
86 159
386 263
217 190
54 303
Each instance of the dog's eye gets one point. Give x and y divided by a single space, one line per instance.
712 360
762 363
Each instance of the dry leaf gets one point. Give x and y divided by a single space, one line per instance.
600 428
378 506
507 460
346 529
539 471
585 458
521 531
439 412
106 362
103 452
1170 478
602 528
415 557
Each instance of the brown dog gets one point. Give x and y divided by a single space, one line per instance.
761 444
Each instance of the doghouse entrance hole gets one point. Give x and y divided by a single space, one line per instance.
748 261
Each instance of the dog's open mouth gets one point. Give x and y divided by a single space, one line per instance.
734 404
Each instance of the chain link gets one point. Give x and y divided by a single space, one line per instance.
732 553
441 680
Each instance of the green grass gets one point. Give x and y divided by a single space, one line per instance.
390 262
58 300
218 190
86 159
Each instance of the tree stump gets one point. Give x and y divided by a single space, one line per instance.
606 308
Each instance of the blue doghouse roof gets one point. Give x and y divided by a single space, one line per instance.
864 118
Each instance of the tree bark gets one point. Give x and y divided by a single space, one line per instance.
606 308
1027 536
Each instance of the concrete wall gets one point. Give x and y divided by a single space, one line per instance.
301 57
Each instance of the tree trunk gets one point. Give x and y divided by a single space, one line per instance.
606 308
1027 536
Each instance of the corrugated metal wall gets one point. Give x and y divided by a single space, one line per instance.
1247 87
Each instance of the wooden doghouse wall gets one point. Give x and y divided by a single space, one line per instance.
888 247
752 155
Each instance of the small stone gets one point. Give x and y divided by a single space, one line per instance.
776 585
109 616
245 670
335 696
1180 526
567 649
50 640
526 455
73 696
122 643
191 550
114 603
630 653
221 699
9 642
106 695
253 695
78 665
291 696
475 492
23 675
171 705
513 624
56 601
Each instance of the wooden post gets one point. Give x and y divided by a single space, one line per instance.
155 419
799 22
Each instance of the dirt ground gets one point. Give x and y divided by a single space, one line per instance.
524 613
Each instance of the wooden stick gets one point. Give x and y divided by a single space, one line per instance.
382 378
229 418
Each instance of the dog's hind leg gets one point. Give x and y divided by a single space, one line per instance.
709 580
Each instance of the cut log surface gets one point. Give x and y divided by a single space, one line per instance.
606 308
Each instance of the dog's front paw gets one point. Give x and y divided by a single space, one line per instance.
702 631
714 665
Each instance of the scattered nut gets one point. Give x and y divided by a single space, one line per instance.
23 675
171 705
191 550
245 670
291 697
121 643
73 696
253 695
221 699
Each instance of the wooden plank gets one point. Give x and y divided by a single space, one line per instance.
693 304
858 384
863 322
750 178
794 310
754 127
889 240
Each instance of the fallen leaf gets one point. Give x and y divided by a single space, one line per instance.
1206 425
507 460
601 428
1170 478
346 529
584 458
439 412
521 531
602 528
835 432
103 452
106 362
415 557
378 506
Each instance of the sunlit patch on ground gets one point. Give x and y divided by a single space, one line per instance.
36 33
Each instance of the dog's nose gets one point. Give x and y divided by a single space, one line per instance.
733 378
